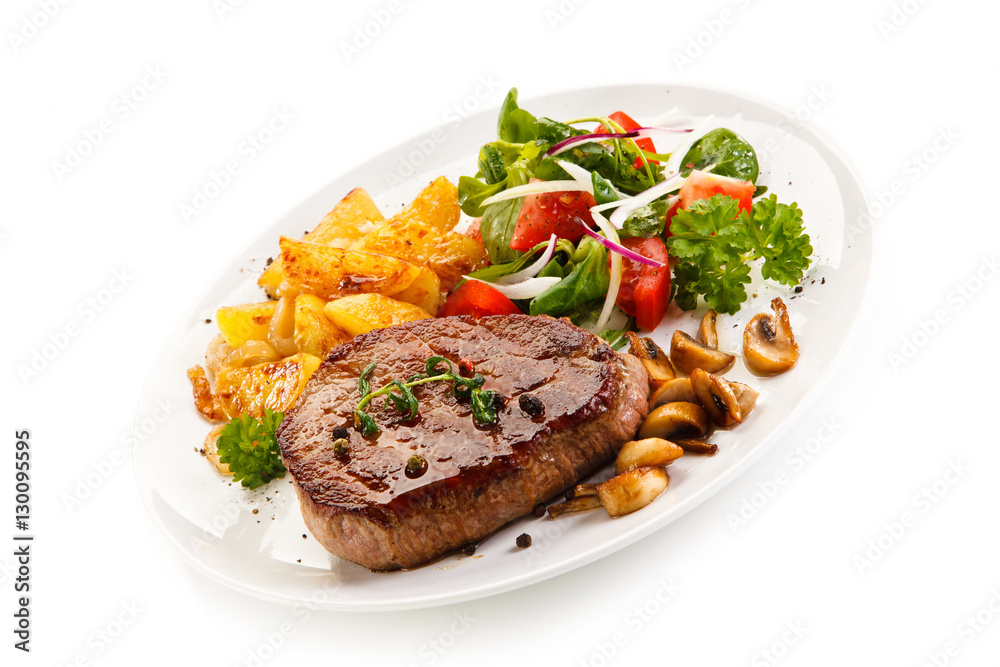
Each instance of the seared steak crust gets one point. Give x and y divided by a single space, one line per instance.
364 508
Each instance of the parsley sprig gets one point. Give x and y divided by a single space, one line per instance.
714 242
250 449
400 394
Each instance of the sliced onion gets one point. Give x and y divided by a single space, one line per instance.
616 269
581 176
535 268
526 289
628 206
281 332
537 188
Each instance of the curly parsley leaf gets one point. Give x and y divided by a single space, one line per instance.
714 242
250 449
778 236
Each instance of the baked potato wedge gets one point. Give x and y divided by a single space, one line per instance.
449 254
334 272
352 217
361 313
436 206
248 321
424 292
274 385
314 333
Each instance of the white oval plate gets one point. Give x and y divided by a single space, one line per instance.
270 554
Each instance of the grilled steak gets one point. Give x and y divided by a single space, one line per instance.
583 401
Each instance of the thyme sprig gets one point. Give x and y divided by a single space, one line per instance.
400 394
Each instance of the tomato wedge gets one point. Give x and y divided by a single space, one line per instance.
703 185
629 124
478 299
645 290
559 213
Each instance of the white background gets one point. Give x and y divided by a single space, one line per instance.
823 571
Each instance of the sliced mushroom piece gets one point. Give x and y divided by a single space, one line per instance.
632 490
708 334
581 504
678 389
583 490
655 360
688 354
769 345
647 452
692 446
717 397
674 419
746 396
622 494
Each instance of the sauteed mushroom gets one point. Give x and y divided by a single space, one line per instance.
717 397
708 333
619 495
647 452
688 354
746 396
656 362
678 418
769 345
692 446
678 389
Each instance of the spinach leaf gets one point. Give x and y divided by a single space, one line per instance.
515 125
553 268
492 165
615 338
728 151
604 192
588 280
549 170
472 192
497 227
647 221
553 131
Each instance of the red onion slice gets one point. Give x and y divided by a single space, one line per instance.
620 249
638 133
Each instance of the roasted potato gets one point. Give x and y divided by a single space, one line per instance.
314 333
436 205
361 313
449 254
424 292
352 217
334 272
248 321
250 390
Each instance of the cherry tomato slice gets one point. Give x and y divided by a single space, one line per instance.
703 185
645 290
559 213
478 299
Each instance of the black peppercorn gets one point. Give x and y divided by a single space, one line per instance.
523 541
532 405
